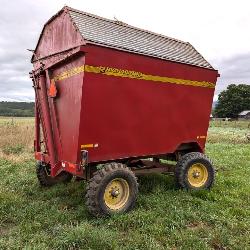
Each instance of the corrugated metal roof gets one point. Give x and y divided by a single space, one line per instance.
245 112
118 35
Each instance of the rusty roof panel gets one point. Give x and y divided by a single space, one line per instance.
115 34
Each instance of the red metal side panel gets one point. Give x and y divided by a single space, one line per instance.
66 107
58 35
131 117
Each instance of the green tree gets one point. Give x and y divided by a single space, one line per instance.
233 100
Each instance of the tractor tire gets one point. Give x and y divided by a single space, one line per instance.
194 171
112 189
44 178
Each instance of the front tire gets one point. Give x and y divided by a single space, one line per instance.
112 189
194 171
44 178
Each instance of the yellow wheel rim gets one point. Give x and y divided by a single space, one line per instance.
116 194
197 175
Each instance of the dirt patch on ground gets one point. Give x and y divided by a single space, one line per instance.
197 225
6 229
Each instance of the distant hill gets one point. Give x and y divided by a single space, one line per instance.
20 109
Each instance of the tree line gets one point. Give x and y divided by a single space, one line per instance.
19 109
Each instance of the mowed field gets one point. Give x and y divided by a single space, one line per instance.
32 217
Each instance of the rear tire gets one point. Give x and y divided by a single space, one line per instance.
112 189
44 178
194 171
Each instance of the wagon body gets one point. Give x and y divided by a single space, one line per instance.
114 104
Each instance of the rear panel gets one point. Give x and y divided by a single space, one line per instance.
124 117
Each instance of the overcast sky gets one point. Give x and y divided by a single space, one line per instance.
219 30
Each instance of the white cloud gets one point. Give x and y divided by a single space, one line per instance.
215 99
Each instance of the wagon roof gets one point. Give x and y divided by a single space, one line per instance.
118 35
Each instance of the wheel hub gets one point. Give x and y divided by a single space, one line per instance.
197 175
116 194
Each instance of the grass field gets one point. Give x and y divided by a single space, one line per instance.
32 217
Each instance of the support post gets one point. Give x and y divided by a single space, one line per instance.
47 123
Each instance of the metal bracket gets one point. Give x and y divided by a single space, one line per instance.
84 157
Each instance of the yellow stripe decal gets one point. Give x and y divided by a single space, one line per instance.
130 74
69 73
92 145
87 146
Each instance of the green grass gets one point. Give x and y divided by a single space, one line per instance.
32 217
228 135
